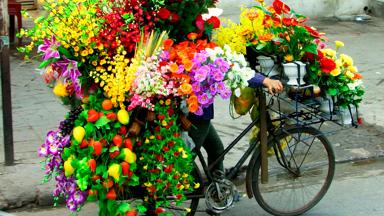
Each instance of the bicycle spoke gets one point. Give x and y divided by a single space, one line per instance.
300 172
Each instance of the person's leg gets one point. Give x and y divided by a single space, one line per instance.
214 147
199 131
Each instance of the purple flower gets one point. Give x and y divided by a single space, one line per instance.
196 87
202 73
181 69
203 98
226 94
221 87
79 197
50 138
217 75
164 56
222 64
49 48
71 204
70 71
213 89
43 151
70 187
53 149
200 57
199 111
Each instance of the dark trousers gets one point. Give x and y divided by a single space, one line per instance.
204 135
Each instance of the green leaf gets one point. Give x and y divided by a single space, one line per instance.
114 148
44 64
65 52
101 122
89 128
260 46
332 92
312 48
123 207
117 125
141 209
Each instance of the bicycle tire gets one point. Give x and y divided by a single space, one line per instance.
270 196
192 203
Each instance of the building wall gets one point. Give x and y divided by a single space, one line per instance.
310 8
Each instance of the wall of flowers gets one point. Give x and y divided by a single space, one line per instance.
130 71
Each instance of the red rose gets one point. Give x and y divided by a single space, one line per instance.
281 7
327 65
214 21
320 55
175 18
164 13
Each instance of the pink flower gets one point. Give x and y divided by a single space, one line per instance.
49 48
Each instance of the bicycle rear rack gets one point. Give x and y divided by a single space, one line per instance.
300 106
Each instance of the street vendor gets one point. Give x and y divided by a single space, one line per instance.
204 133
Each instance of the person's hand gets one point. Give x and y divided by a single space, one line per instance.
273 86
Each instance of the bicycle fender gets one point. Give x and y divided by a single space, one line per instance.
248 177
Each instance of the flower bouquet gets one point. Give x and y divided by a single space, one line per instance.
129 85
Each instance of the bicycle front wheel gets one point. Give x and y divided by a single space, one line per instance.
189 206
301 165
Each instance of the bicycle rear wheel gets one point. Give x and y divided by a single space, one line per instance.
301 166
192 198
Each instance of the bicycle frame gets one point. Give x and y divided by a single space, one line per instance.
208 169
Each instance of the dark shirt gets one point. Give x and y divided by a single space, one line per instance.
256 81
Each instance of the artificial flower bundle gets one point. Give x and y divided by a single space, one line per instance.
129 85
131 70
277 30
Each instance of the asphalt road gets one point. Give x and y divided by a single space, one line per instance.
354 182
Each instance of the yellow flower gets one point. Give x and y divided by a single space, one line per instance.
164 123
148 184
346 60
335 72
185 175
197 185
188 210
339 44
84 53
115 171
288 57
349 74
60 90
168 102
329 52
353 69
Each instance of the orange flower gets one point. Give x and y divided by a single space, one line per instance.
188 65
167 44
192 36
192 99
266 37
185 89
193 107
357 76
252 15
173 67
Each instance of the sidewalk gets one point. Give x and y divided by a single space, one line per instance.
36 111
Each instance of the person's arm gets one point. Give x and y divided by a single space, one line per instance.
273 86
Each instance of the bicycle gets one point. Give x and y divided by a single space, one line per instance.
300 158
